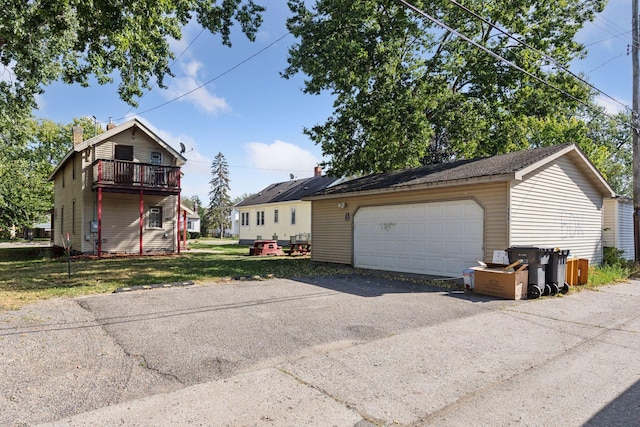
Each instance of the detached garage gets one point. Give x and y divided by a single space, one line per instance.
441 219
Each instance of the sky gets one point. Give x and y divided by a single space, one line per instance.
234 101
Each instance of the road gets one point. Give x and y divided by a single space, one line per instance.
345 351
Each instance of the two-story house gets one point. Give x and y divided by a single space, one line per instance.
277 212
118 192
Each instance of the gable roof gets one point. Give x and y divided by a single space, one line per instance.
288 191
109 133
503 167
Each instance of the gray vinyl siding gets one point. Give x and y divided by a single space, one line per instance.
618 226
557 206
332 230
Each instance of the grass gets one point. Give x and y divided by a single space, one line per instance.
31 274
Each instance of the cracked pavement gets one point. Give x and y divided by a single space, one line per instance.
346 351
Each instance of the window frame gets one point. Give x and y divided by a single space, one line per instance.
154 211
293 216
260 218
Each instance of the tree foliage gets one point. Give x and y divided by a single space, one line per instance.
26 162
45 41
408 92
219 210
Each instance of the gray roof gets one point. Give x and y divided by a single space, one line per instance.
504 165
288 190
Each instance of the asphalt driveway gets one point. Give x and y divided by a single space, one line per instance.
348 350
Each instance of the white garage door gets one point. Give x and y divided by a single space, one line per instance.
441 238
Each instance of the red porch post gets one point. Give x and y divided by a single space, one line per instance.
141 217
99 221
178 222
184 229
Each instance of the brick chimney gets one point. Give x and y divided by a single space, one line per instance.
76 131
317 171
110 125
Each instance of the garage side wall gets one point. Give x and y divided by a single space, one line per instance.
332 225
557 206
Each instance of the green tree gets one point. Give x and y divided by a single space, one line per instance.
26 163
73 41
219 209
408 92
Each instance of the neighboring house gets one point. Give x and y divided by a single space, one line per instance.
191 218
618 225
118 192
235 221
441 219
277 212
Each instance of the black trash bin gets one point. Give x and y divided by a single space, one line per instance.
556 271
537 259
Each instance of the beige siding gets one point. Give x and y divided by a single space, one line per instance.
142 148
332 228
283 229
121 224
557 206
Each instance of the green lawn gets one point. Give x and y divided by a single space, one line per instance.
30 274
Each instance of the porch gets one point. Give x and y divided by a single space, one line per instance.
131 177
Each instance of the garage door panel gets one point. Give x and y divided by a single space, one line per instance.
441 238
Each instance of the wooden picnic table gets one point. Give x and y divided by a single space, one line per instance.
265 247
298 248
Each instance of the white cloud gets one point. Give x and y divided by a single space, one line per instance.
281 157
188 87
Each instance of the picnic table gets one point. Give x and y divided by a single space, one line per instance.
298 248
265 247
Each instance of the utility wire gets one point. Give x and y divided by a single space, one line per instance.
213 79
170 65
506 61
544 55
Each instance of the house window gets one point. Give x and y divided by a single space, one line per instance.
155 217
275 216
73 217
124 152
156 158
189 224
260 218
293 216
245 218
63 183
62 220
73 171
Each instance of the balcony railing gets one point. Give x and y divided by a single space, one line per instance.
123 175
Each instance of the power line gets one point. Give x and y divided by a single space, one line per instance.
543 54
213 79
170 65
509 63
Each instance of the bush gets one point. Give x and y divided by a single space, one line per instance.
613 257
194 235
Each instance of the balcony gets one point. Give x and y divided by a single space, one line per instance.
129 177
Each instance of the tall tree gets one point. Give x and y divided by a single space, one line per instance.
409 92
26 162
218 215
45 41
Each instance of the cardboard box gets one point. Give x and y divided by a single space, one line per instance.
498 282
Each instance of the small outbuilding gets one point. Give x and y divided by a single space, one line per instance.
618 225
441 219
